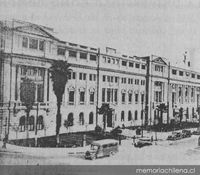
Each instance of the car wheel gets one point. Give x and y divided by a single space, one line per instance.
111 153
93 157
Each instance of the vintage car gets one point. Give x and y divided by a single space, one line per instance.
175 136
186 133
101 148
144 141
197 132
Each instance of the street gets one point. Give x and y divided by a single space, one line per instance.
180 152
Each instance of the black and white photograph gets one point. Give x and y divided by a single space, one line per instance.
100 82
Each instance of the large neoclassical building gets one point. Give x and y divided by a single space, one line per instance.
132 86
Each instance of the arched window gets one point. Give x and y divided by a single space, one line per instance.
136 113
129 116
40 123
81 118
70 119
91 118
122 116
22 123
31 123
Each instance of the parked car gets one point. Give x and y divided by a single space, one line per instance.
197 132
100 148
175 136
116 131
186 133
144 141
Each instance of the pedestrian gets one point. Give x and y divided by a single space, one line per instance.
133 140
151 138
120 140
199 141
5 141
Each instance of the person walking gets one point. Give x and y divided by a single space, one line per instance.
5 140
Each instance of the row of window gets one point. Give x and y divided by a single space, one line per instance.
81 97
111 95
33 43
123 63
92 77
70 119
73 54
159 68
187 74
130 116
31 123
123 80
108 95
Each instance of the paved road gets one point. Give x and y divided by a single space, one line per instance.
172 153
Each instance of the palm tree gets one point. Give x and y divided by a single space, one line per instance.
28 98
59 75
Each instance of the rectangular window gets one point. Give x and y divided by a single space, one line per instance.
74 75
181 73
130 64
115 95
111 79
94 77
124 63
137 81
193 75
104 78
108 94
124 80
123 97
72 53
92 98
80 76
41 45
136 98
174 71
83 55
25 42
93 57
137 65
142 98
90 77
116 79
108 78
103 94
84 76
198 76
82 97
130 97
71 97
61 51
143 66
33 43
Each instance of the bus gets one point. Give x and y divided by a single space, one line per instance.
101 148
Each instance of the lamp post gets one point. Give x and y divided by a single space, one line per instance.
142 118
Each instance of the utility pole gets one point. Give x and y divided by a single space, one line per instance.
142 117
97 105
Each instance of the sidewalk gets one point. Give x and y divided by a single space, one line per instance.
62 152
43 152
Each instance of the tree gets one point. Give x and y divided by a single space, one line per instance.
27 94
105 110
60 73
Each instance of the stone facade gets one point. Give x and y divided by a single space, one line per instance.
132 86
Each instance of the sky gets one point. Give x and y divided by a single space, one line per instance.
166 28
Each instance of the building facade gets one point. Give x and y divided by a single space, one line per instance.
133 86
